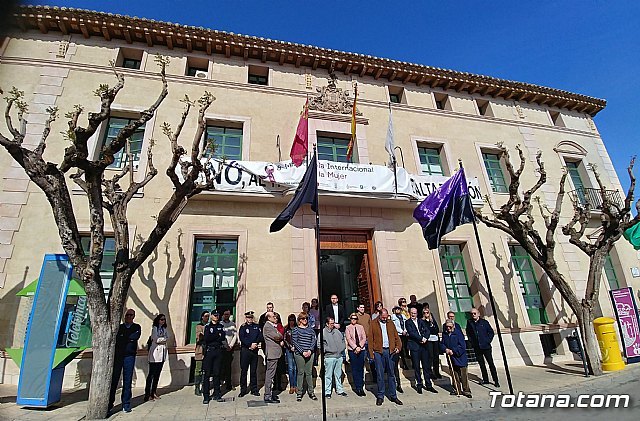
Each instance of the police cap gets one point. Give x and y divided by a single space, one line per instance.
248 314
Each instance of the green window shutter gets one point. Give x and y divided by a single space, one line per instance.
226 142
456 282
430 162
215 280
334 149
494 171
573 168
528 285
610 273
108 259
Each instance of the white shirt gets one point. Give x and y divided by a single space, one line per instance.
335 313
385 336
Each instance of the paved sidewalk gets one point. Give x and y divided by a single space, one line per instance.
182 404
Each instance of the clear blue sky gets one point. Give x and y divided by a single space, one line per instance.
588 47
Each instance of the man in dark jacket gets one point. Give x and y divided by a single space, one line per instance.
125 359
456 349
335 310
480 335
418 344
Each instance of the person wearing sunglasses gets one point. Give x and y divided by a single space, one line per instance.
125 359
356 340
157 356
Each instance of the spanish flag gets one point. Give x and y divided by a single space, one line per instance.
353 126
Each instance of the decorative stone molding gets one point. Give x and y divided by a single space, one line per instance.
332 99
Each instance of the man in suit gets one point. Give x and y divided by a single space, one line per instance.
273 351
384 344
418 344
336 311
480 335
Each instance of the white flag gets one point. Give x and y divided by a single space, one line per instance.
389 145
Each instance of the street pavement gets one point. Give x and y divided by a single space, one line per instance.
182 404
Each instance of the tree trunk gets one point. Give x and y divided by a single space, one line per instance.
103 345
590 342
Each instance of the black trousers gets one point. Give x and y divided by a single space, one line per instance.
225 370
248 359
481 355
434 354
211 368
421 360
152 379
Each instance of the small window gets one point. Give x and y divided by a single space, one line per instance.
108 259
214 280
225 141
430 162
396 94
258 75
494 171
484 107
114 125
442 101
131 63
197 67
556 118
129 58
334 149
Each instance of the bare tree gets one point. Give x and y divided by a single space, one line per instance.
516 218
108 194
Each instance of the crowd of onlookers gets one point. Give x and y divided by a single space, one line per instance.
382 341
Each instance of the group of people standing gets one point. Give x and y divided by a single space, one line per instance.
384 340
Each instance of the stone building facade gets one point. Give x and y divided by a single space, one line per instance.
220 252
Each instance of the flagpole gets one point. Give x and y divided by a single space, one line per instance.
395 164
492 302
320 301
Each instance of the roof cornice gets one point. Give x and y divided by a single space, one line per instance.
133 30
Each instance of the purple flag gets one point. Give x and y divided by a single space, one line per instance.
444 209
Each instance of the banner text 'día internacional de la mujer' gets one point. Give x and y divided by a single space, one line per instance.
370 180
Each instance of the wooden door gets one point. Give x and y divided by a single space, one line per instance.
364 285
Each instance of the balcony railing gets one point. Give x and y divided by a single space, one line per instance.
588 196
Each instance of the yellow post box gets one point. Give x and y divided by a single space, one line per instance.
606 334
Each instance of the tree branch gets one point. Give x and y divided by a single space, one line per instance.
108 151
53 114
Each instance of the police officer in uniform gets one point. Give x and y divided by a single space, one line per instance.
214 342
250 337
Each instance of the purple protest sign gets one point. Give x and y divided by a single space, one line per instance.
627 314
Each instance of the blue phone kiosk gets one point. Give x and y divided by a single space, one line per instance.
57 331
